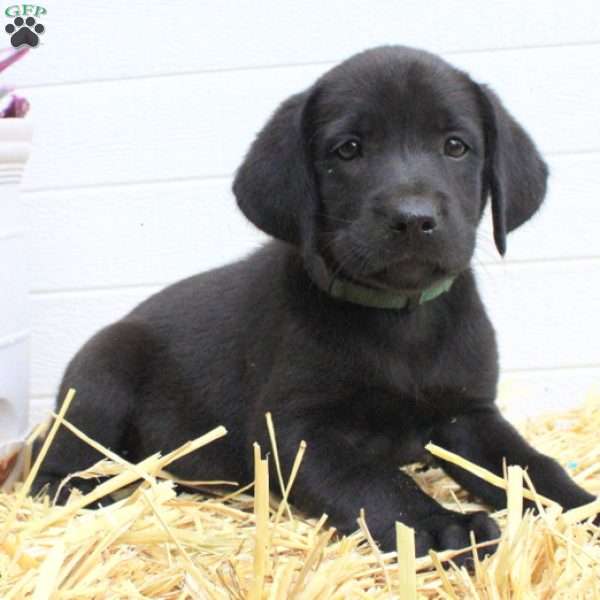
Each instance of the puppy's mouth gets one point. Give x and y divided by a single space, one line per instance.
408 275
408 270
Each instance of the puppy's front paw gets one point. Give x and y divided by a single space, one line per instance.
450 530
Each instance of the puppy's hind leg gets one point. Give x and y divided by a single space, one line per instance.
106 374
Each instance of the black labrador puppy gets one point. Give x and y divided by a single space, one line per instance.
360 327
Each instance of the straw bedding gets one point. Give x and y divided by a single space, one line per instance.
154 544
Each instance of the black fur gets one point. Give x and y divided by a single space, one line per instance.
366 388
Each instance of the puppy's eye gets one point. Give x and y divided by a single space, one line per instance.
455 147
348 150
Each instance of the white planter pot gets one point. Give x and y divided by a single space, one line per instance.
15 141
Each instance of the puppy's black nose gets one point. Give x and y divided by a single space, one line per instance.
413 222
415 215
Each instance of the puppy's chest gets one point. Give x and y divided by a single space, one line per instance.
425 385
402 447
407 374
380 429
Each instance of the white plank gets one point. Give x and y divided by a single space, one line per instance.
201 125
546 316
132 235
567 225
136 130
521 394
102 40
553 92
157 233
62 323
526 394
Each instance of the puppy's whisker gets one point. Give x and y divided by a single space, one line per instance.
363 267
341 264
335 238
351 254
367 256
332 218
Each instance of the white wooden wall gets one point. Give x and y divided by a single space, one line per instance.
144 109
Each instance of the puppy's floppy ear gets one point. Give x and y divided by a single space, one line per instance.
274 186
515 173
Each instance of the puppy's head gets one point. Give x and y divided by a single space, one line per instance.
383 168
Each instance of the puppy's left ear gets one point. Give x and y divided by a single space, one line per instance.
274 186
515 173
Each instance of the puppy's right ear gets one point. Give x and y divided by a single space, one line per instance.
274 186
516 174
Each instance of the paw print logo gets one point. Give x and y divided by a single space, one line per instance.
24 32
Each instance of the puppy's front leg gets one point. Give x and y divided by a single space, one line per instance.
486 438
338 479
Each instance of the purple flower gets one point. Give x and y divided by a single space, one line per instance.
13 56
11 105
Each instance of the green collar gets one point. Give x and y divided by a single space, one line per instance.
348 291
